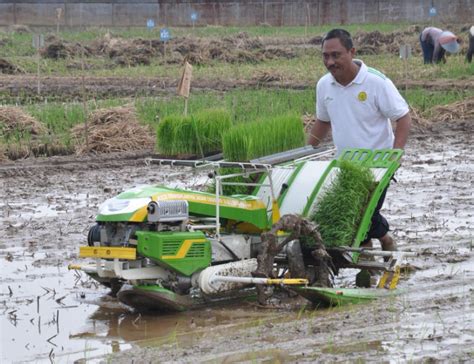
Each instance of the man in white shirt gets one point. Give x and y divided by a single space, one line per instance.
357 104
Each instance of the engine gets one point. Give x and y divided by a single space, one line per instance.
161 216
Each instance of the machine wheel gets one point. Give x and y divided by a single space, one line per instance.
93 235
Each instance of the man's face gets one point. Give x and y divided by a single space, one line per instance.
337 58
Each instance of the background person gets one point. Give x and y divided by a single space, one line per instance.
357 104
436 42
470 51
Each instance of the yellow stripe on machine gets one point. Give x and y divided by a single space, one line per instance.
183 249
288 281
224 201
139 215
107 252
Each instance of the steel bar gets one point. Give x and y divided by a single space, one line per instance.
257 280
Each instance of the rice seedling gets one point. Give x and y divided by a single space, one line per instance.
245 106
58 118
340 209
256 139
267 136
229 190
200 133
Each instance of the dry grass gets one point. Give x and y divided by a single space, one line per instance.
112 130
239 48
3 154
266 76
15 122
308 122
460 110
9 68
419 122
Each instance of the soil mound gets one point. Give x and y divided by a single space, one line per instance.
9 68
126 52
15 122
239 48
113 130
56 48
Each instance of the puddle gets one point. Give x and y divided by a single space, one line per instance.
41 309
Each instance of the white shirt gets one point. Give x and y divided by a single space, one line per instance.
360 112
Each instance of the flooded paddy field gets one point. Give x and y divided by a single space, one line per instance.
50 314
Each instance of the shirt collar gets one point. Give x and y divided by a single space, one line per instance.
359 78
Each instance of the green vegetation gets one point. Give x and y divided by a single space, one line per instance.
256 139
23 40
305 67
340 209
425 100
257 99
243 105
229 190
263 137
200 133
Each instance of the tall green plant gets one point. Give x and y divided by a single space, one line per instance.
342 206
257 139
200 133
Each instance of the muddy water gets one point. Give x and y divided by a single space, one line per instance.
48 313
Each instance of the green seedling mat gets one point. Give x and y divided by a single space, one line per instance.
386 160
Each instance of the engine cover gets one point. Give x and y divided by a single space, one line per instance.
163 211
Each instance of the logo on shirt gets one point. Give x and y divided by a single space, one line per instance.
362 96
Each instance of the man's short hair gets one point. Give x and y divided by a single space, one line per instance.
343 35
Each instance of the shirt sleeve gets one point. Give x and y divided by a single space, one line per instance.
391 104
321 109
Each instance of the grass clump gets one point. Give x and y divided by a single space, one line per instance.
267 136
340 210
200 133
